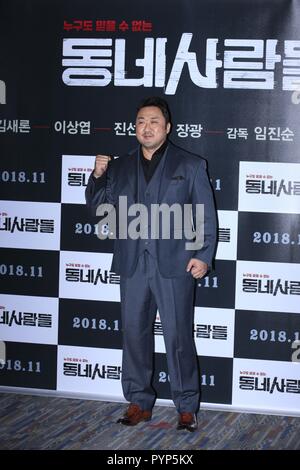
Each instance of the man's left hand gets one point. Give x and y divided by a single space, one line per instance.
197 268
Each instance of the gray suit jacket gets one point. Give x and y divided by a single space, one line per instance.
184 181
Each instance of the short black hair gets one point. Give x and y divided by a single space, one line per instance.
159 103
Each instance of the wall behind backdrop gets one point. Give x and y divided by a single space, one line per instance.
71 76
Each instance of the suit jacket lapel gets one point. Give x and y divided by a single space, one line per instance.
172 161
131 171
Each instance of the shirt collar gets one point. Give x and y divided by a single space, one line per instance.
157 152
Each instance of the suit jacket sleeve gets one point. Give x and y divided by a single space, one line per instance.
202 194
100 190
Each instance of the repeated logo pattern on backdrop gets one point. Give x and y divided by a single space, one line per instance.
231 73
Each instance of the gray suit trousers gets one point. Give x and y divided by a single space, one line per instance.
141 294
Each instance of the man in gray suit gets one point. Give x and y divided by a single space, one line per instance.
158 271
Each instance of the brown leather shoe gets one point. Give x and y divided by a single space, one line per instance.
187 421
134 415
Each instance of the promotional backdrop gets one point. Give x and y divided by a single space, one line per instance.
71 76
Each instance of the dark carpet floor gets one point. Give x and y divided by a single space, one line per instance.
37 422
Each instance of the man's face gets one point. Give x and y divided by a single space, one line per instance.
151 127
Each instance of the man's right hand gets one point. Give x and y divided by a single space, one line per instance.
101 164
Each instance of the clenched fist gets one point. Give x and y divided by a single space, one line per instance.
101 163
